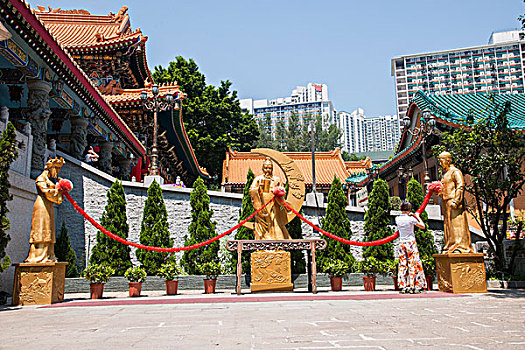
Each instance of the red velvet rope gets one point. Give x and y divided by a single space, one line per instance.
433 187
158 249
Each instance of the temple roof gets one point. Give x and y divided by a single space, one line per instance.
327 165
133 95
79 28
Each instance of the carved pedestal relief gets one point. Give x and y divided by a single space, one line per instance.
271 271
461 273
39 284
38 113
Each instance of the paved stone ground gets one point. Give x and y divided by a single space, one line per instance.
478 321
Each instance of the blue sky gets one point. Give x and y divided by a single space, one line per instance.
268 47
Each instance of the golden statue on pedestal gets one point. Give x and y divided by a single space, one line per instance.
42 237
270 222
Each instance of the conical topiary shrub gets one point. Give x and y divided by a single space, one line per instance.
336 222
200 230
377 219
154 230
108 251
64 252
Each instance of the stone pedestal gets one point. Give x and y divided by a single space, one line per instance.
271 271
39 284
461 273
148 180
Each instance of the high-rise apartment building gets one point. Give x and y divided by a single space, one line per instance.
304 101
497 67
368 134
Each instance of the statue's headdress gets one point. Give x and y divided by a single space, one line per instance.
445 155
268 161
54 163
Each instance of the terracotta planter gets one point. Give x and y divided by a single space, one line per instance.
134 289
369 283
209 286
171 287
430 281
96 289
336 283
396 286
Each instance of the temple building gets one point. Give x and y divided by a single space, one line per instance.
327 166
73 80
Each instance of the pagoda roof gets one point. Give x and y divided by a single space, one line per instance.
452 111
132 96
59 59
327 165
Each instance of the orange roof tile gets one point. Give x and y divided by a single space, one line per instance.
359 166
327 165
133 95
78 28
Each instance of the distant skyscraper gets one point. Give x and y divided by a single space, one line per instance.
310 100
496 67
368 134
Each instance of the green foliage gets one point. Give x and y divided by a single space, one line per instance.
377 219
200 229
211 269
212 115
107 250
8 154
327 139
337 268
98 273
391 267
296 232
395 203
64 252
154 230
336 222
351 157
169 271
493 155
136 274
371 266
244 233
424 239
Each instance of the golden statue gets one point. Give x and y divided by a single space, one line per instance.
42 237
270 222
457 233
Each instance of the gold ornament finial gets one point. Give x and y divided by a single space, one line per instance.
55 163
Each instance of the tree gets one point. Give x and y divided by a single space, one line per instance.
336 222
424 239
266 140
154 230
107 250
377 219
8 154
352 157
244 232
327 139
296 232
64 252
294 139
212 115
200 230
492 155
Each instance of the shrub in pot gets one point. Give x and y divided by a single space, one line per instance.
391 268
336 270
429 265
170 272
211 269
97 275
371 267
135 275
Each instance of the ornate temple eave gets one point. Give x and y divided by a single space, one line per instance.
19 15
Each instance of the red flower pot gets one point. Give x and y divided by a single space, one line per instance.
171 287
396 286
430 281
96 289
134 289
209 286
369 283
336 283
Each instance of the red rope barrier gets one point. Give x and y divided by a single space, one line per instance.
433 187
158 249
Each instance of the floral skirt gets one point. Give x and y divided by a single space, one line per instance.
411 274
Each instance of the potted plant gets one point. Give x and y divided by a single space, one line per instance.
97 275
135 275
429 266
336 270
370 267
211 270
170 272
391 267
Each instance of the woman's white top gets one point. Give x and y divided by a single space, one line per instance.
405 225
